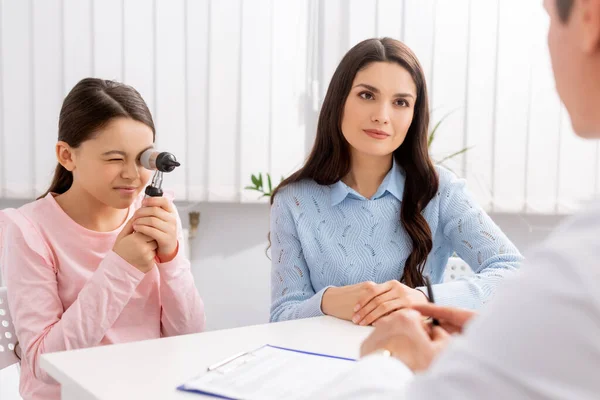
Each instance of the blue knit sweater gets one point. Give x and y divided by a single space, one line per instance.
325 236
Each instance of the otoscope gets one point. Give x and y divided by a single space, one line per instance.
160 162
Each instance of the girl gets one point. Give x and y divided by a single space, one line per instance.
357 230
92 262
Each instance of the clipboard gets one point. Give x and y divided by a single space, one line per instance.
268 372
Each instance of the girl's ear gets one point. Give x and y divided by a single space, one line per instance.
65 155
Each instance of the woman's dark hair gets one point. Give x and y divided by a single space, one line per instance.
564 9
329 160
89 106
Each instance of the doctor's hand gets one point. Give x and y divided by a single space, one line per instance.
452 319
407 337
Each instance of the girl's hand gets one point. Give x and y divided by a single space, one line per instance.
157 219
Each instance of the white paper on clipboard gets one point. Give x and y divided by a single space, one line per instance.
270 372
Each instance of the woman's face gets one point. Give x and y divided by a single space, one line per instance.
379 109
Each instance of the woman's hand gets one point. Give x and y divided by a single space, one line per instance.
385 299
157 219
340 301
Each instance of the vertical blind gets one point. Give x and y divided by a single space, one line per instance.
225 81
235 87
487 64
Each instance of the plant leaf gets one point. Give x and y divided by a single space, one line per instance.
435 128
455 154
449 169
259 184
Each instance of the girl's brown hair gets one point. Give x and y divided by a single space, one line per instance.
91 104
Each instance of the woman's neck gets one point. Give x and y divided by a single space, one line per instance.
367 173
90 213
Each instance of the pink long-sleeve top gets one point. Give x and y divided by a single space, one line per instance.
68 290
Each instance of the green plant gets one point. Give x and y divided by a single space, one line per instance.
258 184
432 136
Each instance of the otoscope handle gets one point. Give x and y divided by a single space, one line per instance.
152 191
155 188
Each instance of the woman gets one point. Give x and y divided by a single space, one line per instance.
356 231
92 262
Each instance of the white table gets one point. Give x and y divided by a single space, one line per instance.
153 369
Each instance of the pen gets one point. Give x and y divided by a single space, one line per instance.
230 359
226 361
434 321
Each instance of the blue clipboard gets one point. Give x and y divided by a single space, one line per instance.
183 387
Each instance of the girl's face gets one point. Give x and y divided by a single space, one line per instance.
107 167
379 109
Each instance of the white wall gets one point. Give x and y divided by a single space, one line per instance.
230 264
